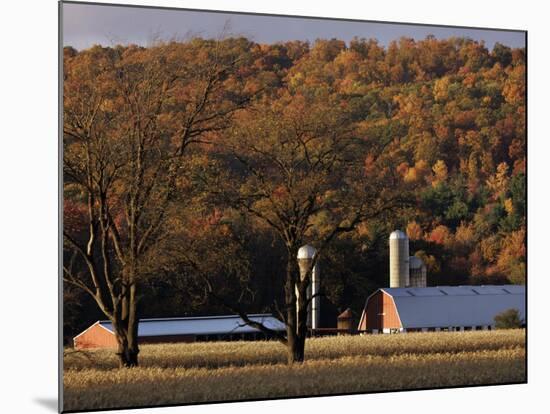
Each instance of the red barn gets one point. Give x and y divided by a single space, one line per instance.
439 308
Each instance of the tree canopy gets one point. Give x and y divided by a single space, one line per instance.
237 150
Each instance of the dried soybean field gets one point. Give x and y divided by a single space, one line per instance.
221 371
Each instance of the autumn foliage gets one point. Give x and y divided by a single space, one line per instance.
441 122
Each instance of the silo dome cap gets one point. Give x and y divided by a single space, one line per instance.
415 262
397 234
306 252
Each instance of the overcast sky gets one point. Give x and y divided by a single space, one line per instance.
87 24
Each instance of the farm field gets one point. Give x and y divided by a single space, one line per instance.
219 371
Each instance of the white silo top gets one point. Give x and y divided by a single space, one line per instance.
306 252
415 262
397 234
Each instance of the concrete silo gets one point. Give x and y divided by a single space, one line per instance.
417 272
399 259
305 258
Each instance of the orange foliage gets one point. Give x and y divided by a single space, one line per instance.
414 231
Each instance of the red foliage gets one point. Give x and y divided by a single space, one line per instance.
74 217
439 235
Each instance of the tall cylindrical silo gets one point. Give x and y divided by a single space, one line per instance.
305 258
399 259
315 304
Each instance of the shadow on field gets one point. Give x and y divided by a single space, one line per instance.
49 403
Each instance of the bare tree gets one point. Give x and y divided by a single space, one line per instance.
303 173
130 117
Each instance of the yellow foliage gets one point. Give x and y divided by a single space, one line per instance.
430 261
489 248
417 173
514 87
509 206
465 234
440 172
411 176
513 248
414 231
441 89
499 182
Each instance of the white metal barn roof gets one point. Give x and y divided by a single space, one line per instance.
443 306
203 325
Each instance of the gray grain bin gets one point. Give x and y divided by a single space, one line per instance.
346 322
417 272
399 259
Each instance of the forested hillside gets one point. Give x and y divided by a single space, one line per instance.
431 132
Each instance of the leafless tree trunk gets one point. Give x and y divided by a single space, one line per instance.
307 165
129 119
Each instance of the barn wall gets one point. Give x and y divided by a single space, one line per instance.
95 337
380 313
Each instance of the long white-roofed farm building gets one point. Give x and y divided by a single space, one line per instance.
439 308
408 305
189 329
